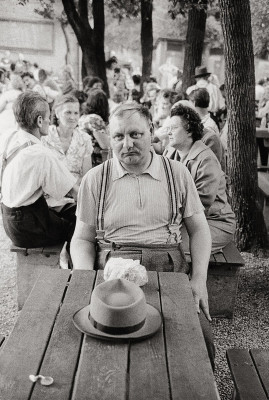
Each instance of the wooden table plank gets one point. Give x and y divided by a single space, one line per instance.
190 371
261 361
61 357
102 370
244 375
148 369
24 349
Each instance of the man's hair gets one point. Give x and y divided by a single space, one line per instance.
200 97
167 94
130 108
191 120
136 79
94 80
27 108
42 74
24 74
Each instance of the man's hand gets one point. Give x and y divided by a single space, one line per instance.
200 296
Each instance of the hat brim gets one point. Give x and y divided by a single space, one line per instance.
200 75
152 324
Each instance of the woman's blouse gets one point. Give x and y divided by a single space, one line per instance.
80 147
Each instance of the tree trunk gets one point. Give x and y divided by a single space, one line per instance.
91 41
194 43
146 38
240 88
99 40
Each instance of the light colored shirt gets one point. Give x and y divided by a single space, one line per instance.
33 171
210 124
137 207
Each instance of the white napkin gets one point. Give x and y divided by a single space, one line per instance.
128 269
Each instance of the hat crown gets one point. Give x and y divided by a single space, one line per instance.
201 70
118 303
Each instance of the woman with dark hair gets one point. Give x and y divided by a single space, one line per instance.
94 121
185 131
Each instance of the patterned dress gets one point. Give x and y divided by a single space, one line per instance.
80 147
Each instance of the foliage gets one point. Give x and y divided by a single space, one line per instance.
121 9
260 27
183 6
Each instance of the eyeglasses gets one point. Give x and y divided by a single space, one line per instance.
170 129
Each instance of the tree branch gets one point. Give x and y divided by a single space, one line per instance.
81 30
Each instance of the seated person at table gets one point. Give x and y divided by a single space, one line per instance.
185 133
133 206
27 171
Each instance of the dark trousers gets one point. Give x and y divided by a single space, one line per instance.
166 258
36 225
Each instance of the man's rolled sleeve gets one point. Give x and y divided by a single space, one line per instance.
87 199
191 203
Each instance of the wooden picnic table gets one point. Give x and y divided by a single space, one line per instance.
173 364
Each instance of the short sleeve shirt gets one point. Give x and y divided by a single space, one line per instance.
137 207
33 171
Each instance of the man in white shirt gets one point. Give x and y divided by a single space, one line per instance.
216 100
27 171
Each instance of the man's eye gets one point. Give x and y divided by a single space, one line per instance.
118 137
136 135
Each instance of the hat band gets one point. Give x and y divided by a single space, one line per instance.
111 330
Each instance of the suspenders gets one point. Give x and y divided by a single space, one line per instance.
6 160
172 225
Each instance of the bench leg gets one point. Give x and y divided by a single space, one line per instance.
29 267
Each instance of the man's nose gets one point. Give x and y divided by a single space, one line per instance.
127 142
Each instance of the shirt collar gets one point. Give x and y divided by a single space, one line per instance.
154 169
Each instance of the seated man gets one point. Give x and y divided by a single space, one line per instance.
133 206
27 171
185 134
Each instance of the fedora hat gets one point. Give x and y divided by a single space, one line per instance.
201 71
118 311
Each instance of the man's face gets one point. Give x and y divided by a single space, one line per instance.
29 82
178 136
164 107
130 139
44 128
152 94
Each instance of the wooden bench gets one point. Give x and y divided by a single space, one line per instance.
30 264
250 373
263 182
222 280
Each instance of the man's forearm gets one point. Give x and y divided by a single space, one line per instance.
82 254
200 249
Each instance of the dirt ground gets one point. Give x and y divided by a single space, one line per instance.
248 329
